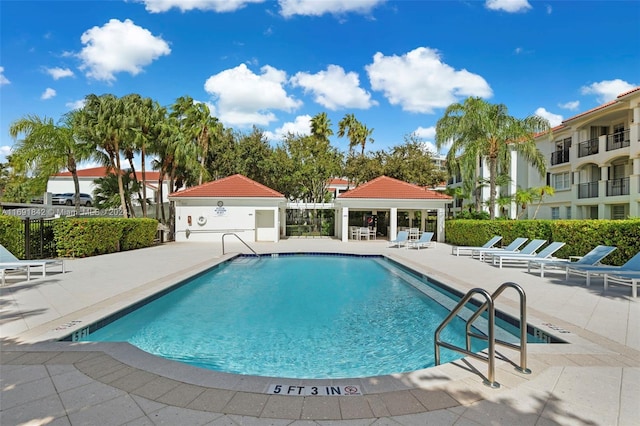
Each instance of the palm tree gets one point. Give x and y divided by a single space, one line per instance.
479 130
523 197
539 194
321 126
47 148
357 132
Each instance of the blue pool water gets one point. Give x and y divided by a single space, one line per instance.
296 317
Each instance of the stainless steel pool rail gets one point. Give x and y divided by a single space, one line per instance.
241 240
488 305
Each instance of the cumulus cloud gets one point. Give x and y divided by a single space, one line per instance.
554 119
419 81
75 104
607 90
58 73
159 6
425 132
300 126
3 80
245 98
48 93
571 105
334 89
511 6
318 8
119 47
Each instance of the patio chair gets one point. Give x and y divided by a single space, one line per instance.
632 265
631 279
489 244
401 239
9 261
512 248
594 257
523 258
530 250
425 240
4 271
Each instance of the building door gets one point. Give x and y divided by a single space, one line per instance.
266 225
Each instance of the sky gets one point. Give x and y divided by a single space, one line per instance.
395 65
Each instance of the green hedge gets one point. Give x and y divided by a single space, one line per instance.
89 237
11 230
580 236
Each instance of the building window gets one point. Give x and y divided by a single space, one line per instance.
555 213
561 181
618 212
569 212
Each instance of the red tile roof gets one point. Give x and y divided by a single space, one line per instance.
603 106
99 172
390 188
236 186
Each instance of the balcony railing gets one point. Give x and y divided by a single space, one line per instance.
618 140
618 187
589 147
588 190
560 157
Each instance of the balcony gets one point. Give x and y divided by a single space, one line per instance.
618 140
560 157
618 187
589 147
588 190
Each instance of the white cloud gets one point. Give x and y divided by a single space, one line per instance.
289 8
420 82
3 80
119 47
300 126
48 93
607 90
4 151
554 119
511 6
58 73
159 6
571 105
334 89
244 98
75 104
425 132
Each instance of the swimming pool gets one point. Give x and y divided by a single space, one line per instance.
296 317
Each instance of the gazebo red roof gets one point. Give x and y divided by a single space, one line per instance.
384 187
235 186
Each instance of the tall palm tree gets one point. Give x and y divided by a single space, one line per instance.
321 126
348 127
479 130
47 148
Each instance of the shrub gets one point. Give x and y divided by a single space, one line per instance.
11 235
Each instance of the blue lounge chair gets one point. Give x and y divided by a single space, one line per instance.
530 250
513 248
594 257
631 266
8 261
631 279
489 244
401 239
423 241
546 253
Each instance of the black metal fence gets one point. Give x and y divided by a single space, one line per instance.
38 239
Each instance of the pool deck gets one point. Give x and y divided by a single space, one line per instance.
594 379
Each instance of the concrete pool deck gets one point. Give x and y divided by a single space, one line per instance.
594 379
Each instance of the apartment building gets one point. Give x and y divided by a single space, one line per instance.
593 163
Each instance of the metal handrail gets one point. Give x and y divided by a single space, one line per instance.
490 359
488 305
241 240
522 348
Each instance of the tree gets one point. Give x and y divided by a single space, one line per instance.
106 194
321 126
539 194
47 148
412 162
523 197
479 130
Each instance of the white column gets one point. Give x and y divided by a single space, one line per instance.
393 223
513 185
440 225
345 224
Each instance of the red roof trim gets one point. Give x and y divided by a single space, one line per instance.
235 186
385 187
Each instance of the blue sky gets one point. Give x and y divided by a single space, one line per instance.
396 65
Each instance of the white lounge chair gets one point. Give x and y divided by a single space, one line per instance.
9 261
530 250
5 271
631 266
512 248
457 250
631 279
401 239
425 240
547 252
592 258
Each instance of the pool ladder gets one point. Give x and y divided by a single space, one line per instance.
489 306
241 240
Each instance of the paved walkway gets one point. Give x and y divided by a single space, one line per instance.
594 379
